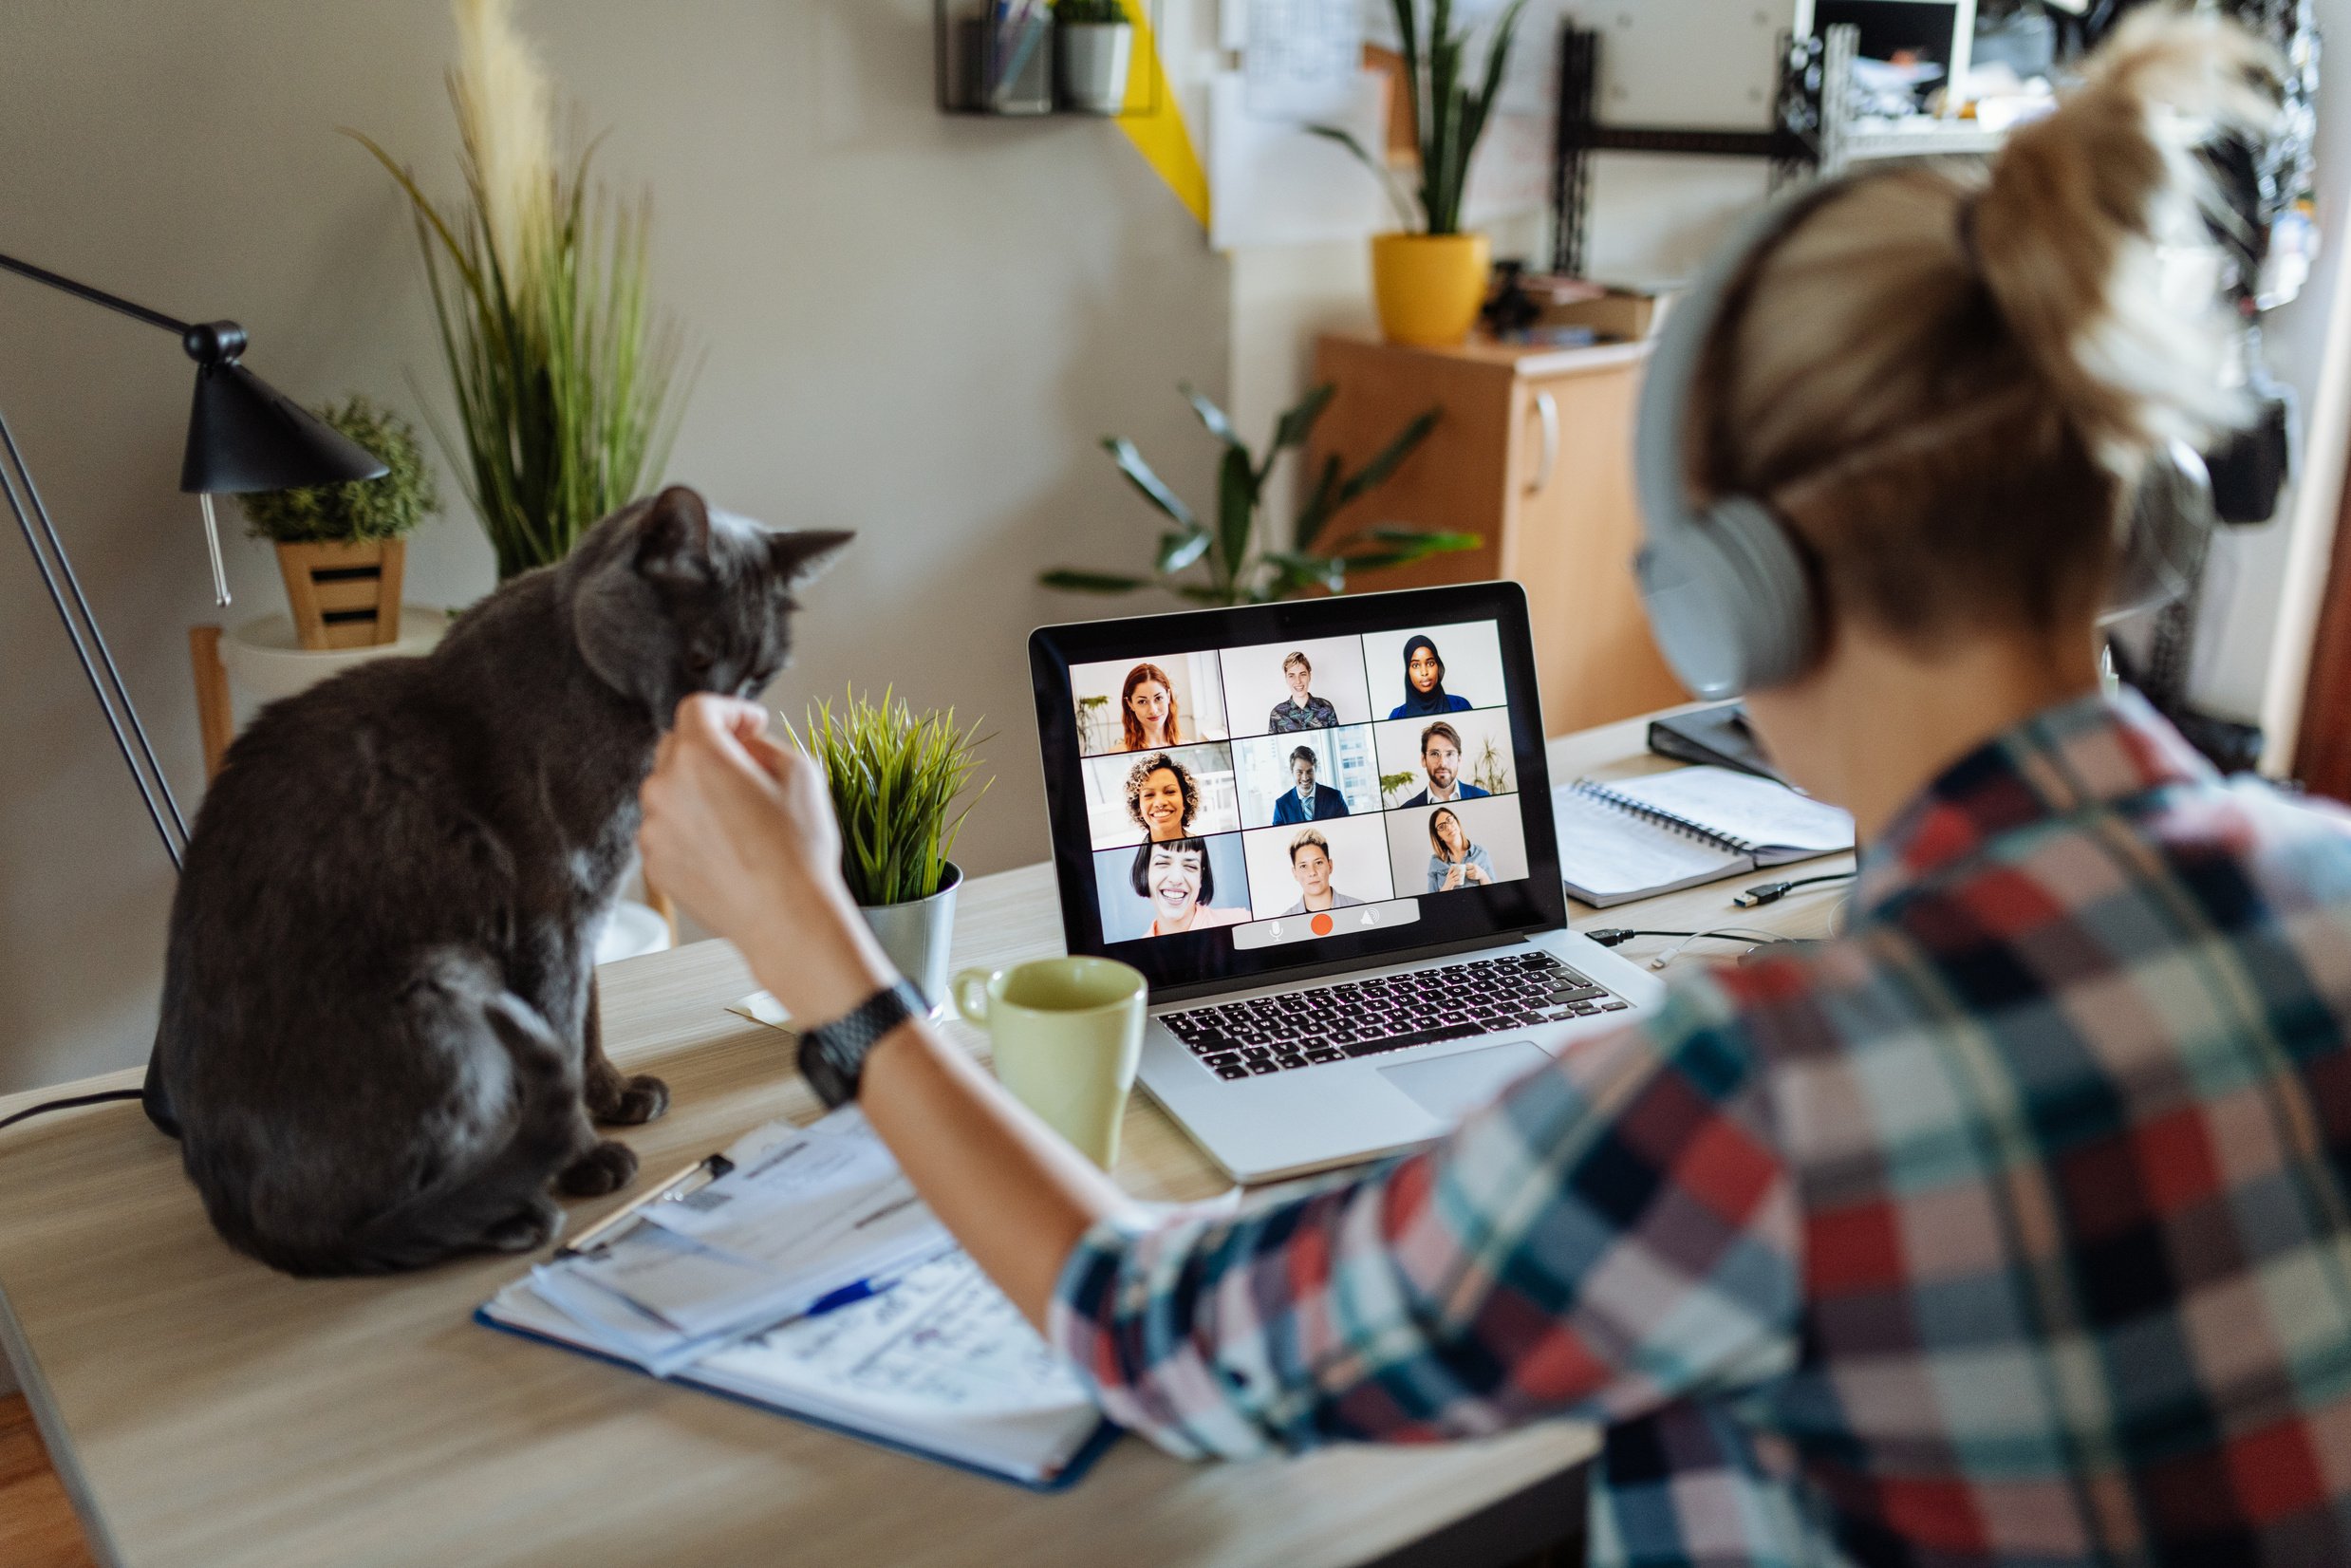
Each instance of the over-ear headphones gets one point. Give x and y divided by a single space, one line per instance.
1729 601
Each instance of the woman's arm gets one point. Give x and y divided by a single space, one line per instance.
741 832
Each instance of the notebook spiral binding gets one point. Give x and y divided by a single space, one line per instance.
1672 821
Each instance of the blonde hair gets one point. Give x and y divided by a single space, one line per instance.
1945 382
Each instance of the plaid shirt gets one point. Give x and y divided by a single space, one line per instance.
2009 1228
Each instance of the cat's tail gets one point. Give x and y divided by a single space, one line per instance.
498 1202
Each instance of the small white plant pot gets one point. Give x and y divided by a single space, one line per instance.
1095 57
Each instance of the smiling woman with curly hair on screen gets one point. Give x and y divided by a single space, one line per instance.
1162 797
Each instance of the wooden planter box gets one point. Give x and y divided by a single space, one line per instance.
343 596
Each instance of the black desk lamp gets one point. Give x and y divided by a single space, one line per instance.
243 435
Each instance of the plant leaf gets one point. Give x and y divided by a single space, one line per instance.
1237 505
1178 551
1146 483
1375 472
1296 571
1497 61
1211 416
1297 424
1386 175
1317 510
1427 541
1072 581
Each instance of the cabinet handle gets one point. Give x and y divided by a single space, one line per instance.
1547 411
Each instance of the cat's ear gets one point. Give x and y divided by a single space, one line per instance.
805 556
673 537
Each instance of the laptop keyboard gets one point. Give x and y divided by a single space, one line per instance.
1334 1024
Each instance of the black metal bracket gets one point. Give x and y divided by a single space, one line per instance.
1792 143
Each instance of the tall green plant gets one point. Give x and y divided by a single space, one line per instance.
1237 568
895 776
564 381
1449 114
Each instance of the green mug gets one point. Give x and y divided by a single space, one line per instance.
1067 1034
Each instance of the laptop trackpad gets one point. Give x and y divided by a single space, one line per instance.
1450 1086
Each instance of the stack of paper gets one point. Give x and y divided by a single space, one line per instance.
811 1279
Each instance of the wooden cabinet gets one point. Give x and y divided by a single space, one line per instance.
1534 454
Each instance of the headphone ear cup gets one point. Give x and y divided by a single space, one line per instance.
1728 600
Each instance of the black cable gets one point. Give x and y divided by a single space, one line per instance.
1616 936
1772 893
71 1104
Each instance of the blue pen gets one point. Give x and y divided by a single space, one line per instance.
847 1296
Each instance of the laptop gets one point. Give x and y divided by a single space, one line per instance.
1323 830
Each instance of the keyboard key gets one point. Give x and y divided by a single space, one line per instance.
1232 1070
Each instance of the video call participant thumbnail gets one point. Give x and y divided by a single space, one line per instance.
1147 710
1454 861
1311 862
1440 763
1162 797
1180 883
1302 709
1424 683
1309 801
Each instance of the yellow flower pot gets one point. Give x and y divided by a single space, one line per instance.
1429 287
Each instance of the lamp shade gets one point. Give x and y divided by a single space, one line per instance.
245 435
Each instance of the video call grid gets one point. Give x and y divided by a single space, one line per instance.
1239 844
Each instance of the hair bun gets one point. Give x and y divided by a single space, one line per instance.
2094 237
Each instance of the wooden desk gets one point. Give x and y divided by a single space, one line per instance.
203 1411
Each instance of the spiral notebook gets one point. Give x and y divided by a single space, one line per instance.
1637 837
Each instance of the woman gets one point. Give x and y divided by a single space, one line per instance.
1162 799
1181 886
1424 683
1147 710
1455 862
2009 1226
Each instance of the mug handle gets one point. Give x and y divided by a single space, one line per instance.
970 991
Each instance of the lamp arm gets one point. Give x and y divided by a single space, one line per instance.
206 343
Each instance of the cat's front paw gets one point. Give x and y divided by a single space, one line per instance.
634 1101
606 1167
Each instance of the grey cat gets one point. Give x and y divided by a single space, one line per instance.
380 1041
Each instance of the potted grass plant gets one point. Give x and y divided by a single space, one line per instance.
342 549
1228 563
563 375
1094 47
900 785
1429 280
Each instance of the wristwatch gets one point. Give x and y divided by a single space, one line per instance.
832 1055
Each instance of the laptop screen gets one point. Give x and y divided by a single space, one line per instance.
1287 788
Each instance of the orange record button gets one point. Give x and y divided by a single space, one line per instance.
1321 924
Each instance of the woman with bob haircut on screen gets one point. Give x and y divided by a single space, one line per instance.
2013 1224
1181 887
1147 710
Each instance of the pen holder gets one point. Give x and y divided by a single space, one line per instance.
1004 66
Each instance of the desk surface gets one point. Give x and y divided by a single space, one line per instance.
203 1410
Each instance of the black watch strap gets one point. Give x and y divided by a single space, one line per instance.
832 1055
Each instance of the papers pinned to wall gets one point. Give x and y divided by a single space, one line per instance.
1274 183
1300 58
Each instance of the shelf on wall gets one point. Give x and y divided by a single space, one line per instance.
1024 59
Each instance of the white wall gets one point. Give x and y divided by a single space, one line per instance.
915 326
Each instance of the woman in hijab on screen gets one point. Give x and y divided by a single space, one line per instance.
1424 682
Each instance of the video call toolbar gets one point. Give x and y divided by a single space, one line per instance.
1298 785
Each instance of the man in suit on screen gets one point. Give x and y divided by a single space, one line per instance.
1310 801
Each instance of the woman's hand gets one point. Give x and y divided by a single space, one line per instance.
1475 876
1453 875
741 830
